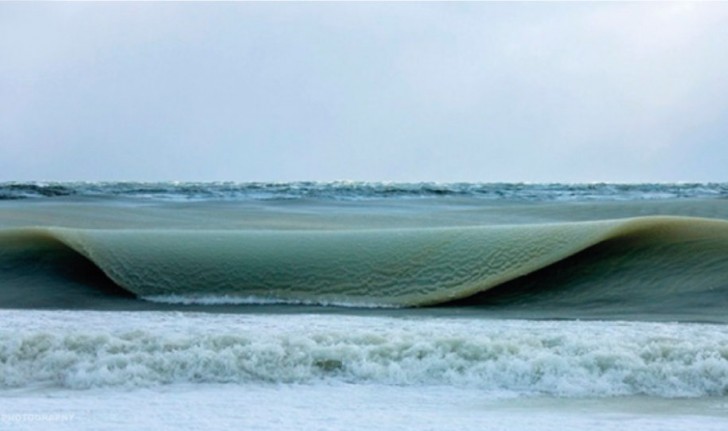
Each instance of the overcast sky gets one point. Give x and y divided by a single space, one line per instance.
535 92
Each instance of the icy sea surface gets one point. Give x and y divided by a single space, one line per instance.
333 306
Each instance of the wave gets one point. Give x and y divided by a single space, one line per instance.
662 264
70 350
357 190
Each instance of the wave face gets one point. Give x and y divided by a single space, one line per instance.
642 259
69 350
668 265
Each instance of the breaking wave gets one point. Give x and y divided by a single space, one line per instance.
551 358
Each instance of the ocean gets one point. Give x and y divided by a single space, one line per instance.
349 305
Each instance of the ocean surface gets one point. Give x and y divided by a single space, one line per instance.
346 305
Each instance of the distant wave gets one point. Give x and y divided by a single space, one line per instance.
353 190
661 264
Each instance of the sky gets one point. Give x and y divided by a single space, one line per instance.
483 92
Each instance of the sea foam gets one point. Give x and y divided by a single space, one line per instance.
557 358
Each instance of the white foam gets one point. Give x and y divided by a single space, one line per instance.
573 359
251 300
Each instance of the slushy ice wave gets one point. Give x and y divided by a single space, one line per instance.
85 350
670 262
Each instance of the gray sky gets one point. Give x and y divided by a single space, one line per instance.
575 92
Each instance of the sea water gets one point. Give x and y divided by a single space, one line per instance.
360 306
